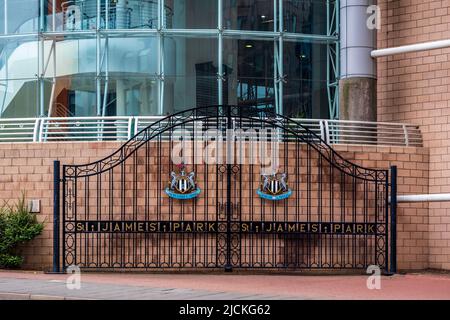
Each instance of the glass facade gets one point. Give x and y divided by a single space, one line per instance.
155 57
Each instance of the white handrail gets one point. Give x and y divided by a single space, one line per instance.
123 128
85 129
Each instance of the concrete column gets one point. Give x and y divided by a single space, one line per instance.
357 87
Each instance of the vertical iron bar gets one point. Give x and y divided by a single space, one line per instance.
56 212
86 236
64 216
111 217
228 213
75 214
147 203
98 237
393 219
377 234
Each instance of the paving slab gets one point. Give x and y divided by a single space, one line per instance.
38 285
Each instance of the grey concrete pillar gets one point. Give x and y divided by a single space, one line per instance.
357 85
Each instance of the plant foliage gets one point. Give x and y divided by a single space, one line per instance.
17 226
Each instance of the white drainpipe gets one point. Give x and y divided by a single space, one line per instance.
437 197
411 48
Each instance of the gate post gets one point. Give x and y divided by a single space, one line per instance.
56 212
393 219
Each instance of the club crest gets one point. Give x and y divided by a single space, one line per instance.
182 185
274 187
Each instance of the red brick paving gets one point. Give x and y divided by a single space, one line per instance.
410 286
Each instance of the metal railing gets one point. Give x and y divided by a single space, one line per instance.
19 130
86 129
372 133
123 129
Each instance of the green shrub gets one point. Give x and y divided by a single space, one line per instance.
17 225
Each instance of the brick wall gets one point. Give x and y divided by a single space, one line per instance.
28 167
415 88
412 163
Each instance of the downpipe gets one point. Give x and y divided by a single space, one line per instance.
436 197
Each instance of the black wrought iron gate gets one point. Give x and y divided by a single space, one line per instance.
224 187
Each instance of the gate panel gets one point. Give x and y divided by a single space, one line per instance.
119 214
335 217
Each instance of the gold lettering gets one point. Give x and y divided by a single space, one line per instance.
128 226
117 227
153 227
200 227
302 227
280 228
140 226
348 229
176 226
211 227
80 226
337 227
267 230
106 228
244 227
359 228
291 227
370 228
188 228
314 227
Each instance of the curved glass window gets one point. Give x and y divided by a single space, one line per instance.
256 15
19 16
19 98
190 69
73 96
19 57
305 88
130 95
306 16
137 53
192 14
153 57
249 66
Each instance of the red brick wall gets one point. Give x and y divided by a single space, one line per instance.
412 230
415 88
28 167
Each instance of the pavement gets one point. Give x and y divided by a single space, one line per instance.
126 286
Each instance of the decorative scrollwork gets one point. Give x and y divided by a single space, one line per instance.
227 243
265 116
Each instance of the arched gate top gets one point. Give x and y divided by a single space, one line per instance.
264 116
